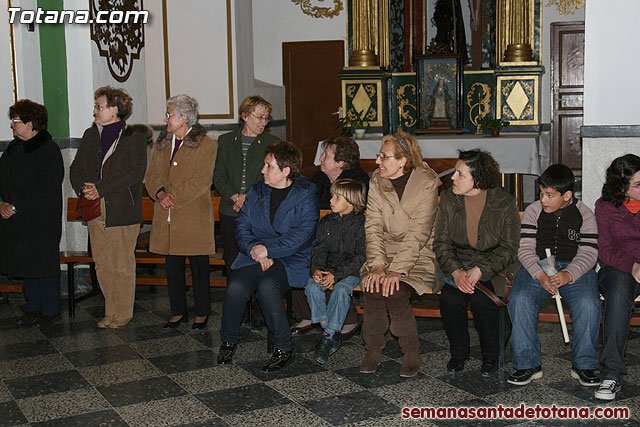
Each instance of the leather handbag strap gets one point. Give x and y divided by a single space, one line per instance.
492 296
500 302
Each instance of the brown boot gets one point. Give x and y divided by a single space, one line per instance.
371 361
375 345
410 364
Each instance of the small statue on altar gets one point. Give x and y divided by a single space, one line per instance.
440 106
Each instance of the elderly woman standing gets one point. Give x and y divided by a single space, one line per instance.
179 180
401 211
477 236
31 172
238 164
109 166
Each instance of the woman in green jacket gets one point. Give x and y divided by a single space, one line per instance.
238 164
477 236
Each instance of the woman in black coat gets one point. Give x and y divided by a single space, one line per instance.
31 172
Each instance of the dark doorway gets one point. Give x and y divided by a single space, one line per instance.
312 92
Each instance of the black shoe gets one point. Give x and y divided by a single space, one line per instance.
225 354
173 325
326 347
488 368
525 376
586 377
29 318
48 320
200 325
278 360
455 365
295 331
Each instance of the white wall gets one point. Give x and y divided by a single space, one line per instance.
280 21
198 66
611 63
79 73
135 85
6 78
28 65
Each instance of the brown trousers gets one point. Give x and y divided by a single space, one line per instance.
113 252
403 322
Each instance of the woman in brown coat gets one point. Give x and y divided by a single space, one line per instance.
401 211
179 180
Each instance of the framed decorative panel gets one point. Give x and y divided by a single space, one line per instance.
403 111
198 54
479 98
439 85
517 99
363 98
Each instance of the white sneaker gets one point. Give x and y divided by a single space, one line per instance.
608 390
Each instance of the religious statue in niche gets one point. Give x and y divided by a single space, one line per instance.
121 43
440 108
439 79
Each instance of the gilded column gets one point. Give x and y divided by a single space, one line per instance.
370 20
515 31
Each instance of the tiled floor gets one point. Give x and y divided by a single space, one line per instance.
74 374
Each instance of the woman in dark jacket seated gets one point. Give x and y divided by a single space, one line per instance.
275 229
477 236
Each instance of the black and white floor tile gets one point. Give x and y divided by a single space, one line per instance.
74 374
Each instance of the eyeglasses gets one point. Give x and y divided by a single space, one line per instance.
266 119
169 115
100 107
15 121
383 156
636 186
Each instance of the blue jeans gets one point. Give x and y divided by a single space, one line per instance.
336 311
619 289
524 306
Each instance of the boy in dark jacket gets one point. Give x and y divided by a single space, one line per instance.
567 228
336 258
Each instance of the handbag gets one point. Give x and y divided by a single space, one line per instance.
88 209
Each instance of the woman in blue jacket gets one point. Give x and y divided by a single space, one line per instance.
274 229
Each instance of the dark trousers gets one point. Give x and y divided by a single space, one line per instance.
453 308
303 312
270 287
403 322
43 294
228 230
178 284
619 289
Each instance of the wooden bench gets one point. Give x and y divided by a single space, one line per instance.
71 258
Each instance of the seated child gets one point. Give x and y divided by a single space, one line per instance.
568 228
336 258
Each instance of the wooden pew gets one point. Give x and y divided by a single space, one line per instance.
71 258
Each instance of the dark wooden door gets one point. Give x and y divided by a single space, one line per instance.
567 82
312 92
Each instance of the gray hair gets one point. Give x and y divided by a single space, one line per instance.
185 105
